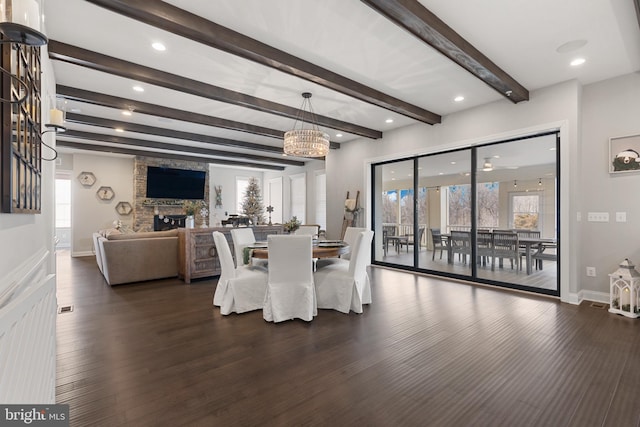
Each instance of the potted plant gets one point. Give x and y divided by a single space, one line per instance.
190 208
292 225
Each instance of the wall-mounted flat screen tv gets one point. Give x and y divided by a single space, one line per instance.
169 183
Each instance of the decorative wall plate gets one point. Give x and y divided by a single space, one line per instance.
105 193
124 208
87 179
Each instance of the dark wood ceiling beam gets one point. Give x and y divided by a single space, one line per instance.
135 142
179 21
419 21
108 64
110 101
61 142
170 133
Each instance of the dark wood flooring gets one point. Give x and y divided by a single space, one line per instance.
546 278
427 352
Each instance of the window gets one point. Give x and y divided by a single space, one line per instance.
459 203
63 203
525 211
406 207
390 207
241 188
488 204
299 197
321 200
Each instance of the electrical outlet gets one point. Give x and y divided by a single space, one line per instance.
591 271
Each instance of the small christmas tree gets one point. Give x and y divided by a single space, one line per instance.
252 203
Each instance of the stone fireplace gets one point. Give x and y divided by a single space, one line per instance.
144 208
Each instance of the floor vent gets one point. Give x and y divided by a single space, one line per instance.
65 309
599 305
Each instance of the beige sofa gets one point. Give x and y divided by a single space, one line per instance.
134 257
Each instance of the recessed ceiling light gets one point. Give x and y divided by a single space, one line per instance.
441 173
552 149
126 113
497 156
389 121
453 163
410 174
138 88
76 110
459 98
159 46
578 61
119 130
393 171
393 179
338 135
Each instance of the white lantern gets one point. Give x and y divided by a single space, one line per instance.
624 290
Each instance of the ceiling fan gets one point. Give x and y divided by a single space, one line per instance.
487 166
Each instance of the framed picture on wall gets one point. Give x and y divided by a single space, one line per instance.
624 154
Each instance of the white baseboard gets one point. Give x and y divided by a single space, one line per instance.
595 296
82 253
585 295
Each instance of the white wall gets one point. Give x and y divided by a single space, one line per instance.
556 107
610 109
88 212
23 236
226 177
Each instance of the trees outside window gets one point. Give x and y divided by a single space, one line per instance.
390 207
488 205
406 207
525 211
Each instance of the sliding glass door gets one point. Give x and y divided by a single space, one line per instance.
517 207
445 180
486 213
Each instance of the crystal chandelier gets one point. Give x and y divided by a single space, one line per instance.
302 142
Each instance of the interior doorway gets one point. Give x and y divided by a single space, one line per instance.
63 209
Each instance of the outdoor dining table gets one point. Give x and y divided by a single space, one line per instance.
528 242
531 242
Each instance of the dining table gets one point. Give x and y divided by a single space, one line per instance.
533 242
529 243
321 249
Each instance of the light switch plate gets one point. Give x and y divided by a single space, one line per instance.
598 216
621 217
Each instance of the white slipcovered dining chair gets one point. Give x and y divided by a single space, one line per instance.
243 237
239 289
345 286
350 236
309 229
290 291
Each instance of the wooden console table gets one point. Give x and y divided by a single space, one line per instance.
198 254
